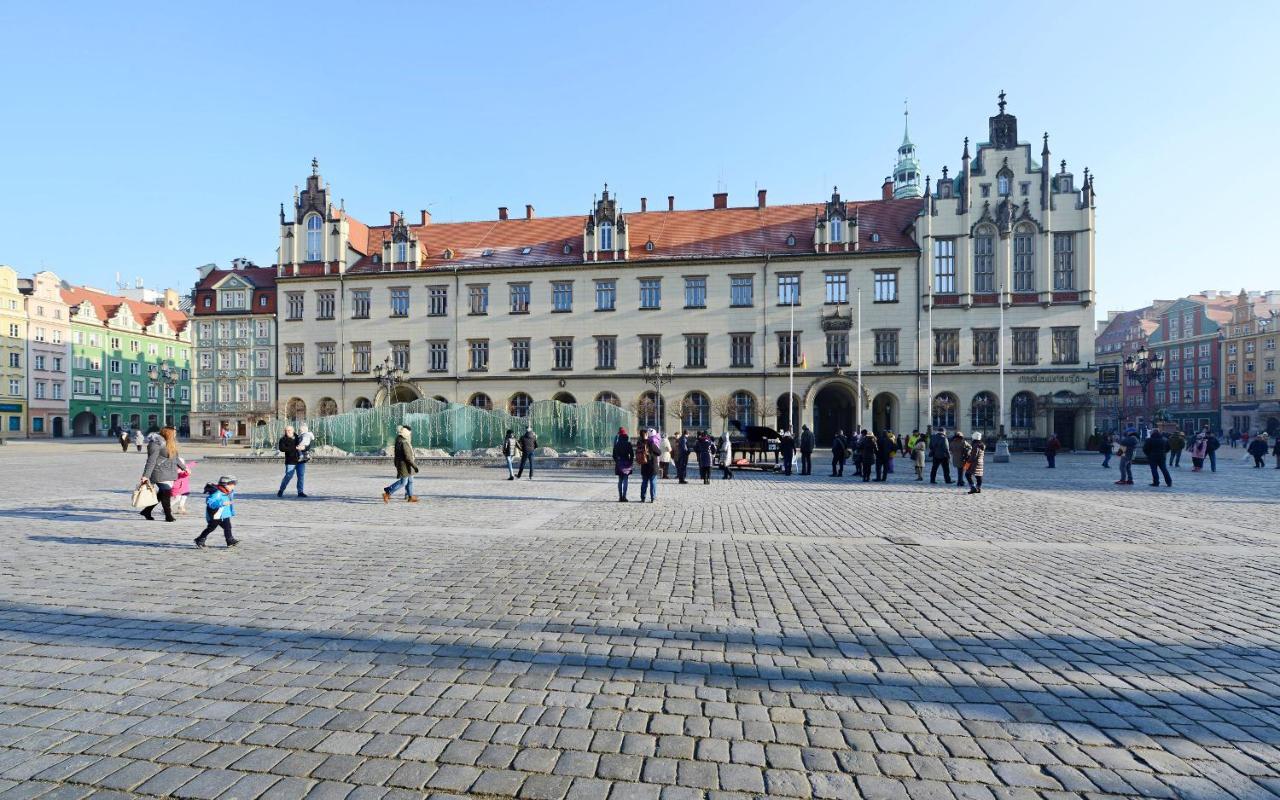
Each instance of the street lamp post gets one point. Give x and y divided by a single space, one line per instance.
388 376
1145 368
658 376
167 377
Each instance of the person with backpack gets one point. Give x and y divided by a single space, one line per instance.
623 457
648 452
219 508
528 443
509 451
806 450
839 452
406 466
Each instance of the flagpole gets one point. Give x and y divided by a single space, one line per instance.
929 363
1002 446
857 405
791 364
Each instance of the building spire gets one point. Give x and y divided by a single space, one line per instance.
906 173
1002 102
315 166
906 117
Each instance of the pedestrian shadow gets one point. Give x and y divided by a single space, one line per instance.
67 512
91 540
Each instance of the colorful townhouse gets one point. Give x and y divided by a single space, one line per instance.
13 356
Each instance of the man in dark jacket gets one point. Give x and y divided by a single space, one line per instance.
839 452
406 466
528 443
806 450
1051 449
941 455
1275 449
787 449
704 448
867 450
1258 449
1130 445
682 451
1212 450
1156 447
882 456
288 445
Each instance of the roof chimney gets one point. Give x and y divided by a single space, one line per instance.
171 299
426 217
528 211
720 200
502 212
644 204
671 202
886 191
394 217
760 198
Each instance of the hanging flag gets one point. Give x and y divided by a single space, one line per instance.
804 362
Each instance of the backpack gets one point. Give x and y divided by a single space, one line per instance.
210 488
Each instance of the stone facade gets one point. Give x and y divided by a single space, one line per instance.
1250 403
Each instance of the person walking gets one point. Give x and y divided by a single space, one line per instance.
1107 446
1177 443
977 456
1199 449
648 453
124 440
1258 449
510 448
406 466
726 457
288 445
917 456
162 467
182 489
941 455
959 450
1211 449
705 447
219 508
884 454
787 449
624 456
664 458
867 454
1156 448
1275 450
138 439
806 450
1051 448
682 452
528 443
839 452
1128 448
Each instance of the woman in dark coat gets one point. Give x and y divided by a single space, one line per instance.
704 447
406 467
1258 449
293 465
624 456
163 463
977 455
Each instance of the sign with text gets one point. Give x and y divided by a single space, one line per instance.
1109 375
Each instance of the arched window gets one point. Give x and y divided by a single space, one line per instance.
610 398
1022 414
1024 252
606 236
363 402
481 401
695 411
788 409
984 260
315 238
327 407
519 404
944 410
1002 185
983 412
836 230
651 410
744 408
296 409
566 398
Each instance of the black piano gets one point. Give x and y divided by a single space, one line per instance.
755 443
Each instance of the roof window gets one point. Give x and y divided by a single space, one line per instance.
487 252
568 248
791 240
524 251
649 245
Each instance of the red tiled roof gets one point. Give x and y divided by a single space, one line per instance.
259 277
696 234
106 306
357 233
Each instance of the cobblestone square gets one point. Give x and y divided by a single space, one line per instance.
1054 637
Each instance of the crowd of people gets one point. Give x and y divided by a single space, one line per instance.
1164 450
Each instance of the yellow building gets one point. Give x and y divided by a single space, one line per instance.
13 356
1251 378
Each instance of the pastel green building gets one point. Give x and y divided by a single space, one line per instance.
121 351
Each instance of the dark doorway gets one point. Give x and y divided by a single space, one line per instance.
1064 425
85 424
57 428
832 411
883 413
1273 426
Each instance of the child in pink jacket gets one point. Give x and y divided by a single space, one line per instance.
182 488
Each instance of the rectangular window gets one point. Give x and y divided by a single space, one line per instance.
114 366
57 364
1204 350
57 390
1066 348
946 347
438 352
836 288
437 301
520 354
650 350
295 358
984 264
479 352
650 292
1268 388
1249 390
478 299
789 289
359 305
77 385
400 301
264 392
695 350
606 295
400 355
561 296
741 349
293 305
520 294
789 349
606 352
944 266
695 292
324 305
39 362
562 352
40 389
1204 371
115 343
886 347
95 388
1064 276
741 291
361 356
114 389
886 286
1026 346
837 348
986 346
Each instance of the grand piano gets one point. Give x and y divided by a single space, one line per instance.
755 443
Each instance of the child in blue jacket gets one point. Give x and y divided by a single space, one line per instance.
219 510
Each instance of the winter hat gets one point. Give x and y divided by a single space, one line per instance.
977 437
227 480
622 431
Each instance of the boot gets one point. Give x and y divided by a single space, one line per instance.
386 496
411 499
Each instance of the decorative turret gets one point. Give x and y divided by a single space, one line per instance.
604 235
906 174
1003 128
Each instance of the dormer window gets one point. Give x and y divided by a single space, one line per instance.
606 236
1002 185
315 234
402 252
836 230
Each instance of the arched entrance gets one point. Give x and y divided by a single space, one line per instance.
833 410
565 397
788 412
57 427
84 424
1273 426
404 393
884 413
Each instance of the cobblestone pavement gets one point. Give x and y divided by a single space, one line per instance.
1054 637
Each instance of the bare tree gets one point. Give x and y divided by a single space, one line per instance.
724 407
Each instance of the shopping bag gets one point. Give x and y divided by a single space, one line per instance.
144 495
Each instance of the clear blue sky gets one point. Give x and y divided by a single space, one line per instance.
150 139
